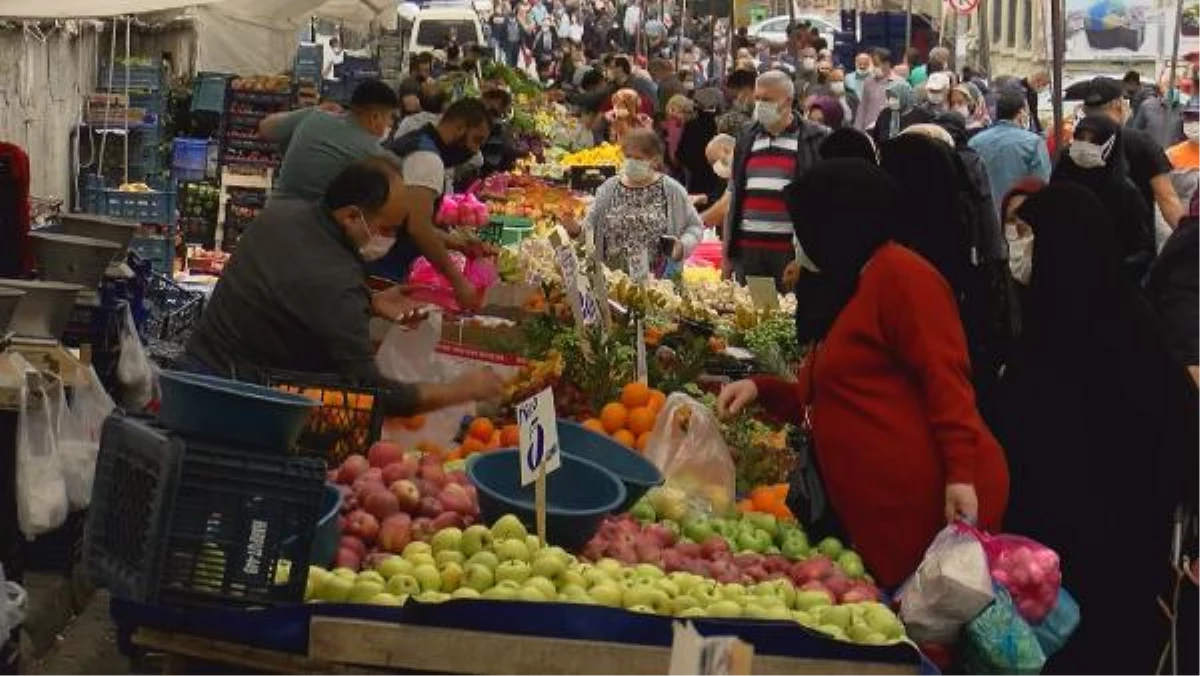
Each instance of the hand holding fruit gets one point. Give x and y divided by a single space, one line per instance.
736 396
961 503
480 385
394 305
468 296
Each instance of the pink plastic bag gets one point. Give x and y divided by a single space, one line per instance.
433 287
1029 570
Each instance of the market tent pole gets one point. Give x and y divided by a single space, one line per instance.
985 37
907 28
1056 51
1166 130
679 34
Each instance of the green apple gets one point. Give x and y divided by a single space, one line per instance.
876 638
838 616
335 588
857 631
543 585
723 527
446 538
566 557
629 574
283 571
640 594
452 576
486 559
432 597
768 612
346 573
764 522
606 594
851 564
317 573
364 590
573 592
667 586
596 575
812 598
476 538
698 529
669 503
754 541
513 570
610 566
647 610
509 527
571 577
502 592
465 593
403 584
421 559
706 592
684 581
643 511
833 631
693 612
533 543
371 576
548 565
648 571
795 545
429 577
682 603
805 618
766 602
395 565
831 547
733 591
780 588
416 548
384 599
880 618
725 608
512 550
449 556
531 594
478 577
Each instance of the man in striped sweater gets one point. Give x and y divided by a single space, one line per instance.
776 150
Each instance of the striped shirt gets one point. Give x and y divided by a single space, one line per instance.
770 167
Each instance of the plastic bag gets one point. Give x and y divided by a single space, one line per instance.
1029 570
407 355
137 376
950 587
1052 633
436 289
41 491
687 447
1000 642
13 600
79 438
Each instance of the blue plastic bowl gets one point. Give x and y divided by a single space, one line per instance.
636 472
242 415
578 495
327 534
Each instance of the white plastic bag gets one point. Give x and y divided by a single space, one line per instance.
79 437
951 586
407 355
12 604
688 448
136 375
41 491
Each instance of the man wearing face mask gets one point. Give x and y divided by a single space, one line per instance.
1008 149
1185 156
834 85
778 149
862 72
874 96
737 119
318 144
294 297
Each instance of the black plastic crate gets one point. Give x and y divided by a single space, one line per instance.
241 528
348 421
172 310
137 472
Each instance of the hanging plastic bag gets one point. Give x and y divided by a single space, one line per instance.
950 587
1052 633
1000 642
1029 570
687 447
136 375
41 491
13 601
79 438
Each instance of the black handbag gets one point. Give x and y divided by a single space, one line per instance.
806 493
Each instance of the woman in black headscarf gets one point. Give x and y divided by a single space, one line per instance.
848 142
1100 424
1096 159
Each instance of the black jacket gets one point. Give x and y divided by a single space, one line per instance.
1173 288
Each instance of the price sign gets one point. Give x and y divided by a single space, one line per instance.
643 373
583 303
639 266
538 428
763 292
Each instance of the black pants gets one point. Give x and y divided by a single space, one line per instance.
755 262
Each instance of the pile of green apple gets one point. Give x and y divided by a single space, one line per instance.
505 563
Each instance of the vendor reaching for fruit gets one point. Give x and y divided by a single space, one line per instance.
294 295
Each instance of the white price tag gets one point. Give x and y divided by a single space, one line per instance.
538 428
763 292
639 266
583 303
643 372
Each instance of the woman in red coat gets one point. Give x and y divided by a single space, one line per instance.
886 388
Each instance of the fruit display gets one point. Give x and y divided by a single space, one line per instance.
250 100
505 563
482 435
603 155
198 212
266 84
768 500
464 210
630 420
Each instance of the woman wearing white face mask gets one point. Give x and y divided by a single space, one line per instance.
641 209
719 153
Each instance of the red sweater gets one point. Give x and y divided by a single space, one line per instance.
894 416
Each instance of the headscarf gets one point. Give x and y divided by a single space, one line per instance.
838 231
849 142
930 131
830 108
624 114
979 109
902 92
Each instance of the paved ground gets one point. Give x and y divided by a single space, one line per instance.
86 646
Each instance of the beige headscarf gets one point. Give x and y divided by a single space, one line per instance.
931 131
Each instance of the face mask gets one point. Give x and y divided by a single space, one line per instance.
937 98
1191 130
804 261
808 63
862 72
893 104
722 169
767 114
963 110
377 246
637 170
1020 254
456 154
1088 155
838 88
877 72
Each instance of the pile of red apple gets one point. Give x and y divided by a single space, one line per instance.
391 498
625 539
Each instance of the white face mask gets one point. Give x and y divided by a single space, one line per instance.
804 261
862 72
937 97
722 169
637 170
1020 254
767 114
838 88
893 104
808 63
377 246
963 110
1088 155
1191 130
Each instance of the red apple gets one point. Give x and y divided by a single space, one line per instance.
363 526
665 537
395 472
813 568
381 503
459 477
815 585
714 545
347 558
454 498
407 495
422 528
395 533
673 560
434 474
430 507
383 453
353 544
689 550
447 520
838 584
352 468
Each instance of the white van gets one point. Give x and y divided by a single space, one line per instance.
434 25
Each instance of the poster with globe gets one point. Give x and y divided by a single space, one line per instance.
1116 30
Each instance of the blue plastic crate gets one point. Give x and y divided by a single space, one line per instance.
189 154
141 77
155 206
158 250
153 103
208 92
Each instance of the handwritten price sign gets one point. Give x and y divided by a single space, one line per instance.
537 424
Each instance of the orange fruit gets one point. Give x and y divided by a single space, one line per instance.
481 429
510 436
657 399
471 446
641 420
456 454
613 416
780 491
414 423
594 425
763 500
625 438
635 394
642 440
494 442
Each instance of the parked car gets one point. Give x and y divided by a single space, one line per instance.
774 30
435 24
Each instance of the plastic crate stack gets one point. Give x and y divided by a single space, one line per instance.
391 57
247 101
114 108
241 208
182 522
198 212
